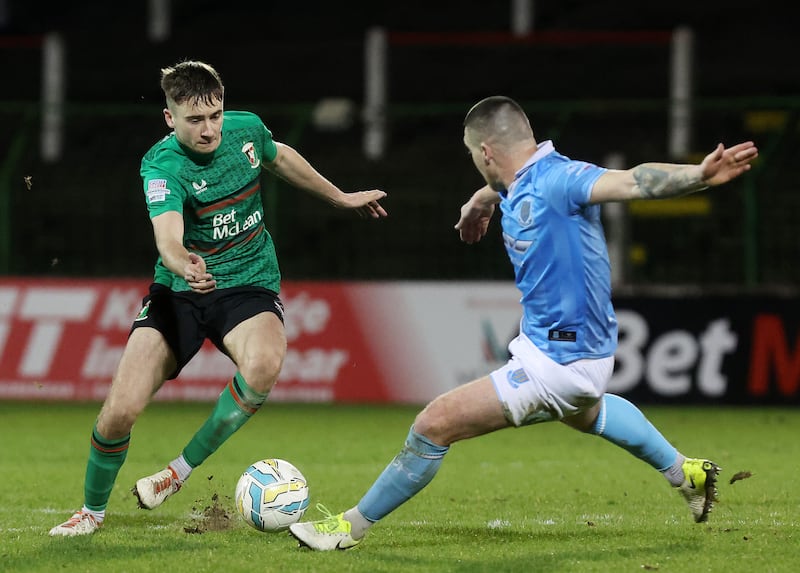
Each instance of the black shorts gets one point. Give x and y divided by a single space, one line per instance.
187 319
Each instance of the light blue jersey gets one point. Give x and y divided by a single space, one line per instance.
555 241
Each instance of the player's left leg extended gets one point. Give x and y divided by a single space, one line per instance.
464 412
410 471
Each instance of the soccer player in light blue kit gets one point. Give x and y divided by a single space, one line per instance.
563 358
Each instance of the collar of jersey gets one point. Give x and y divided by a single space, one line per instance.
544 148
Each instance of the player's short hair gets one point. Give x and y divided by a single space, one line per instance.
498 117
193 81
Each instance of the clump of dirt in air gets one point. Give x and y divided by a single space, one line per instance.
213 516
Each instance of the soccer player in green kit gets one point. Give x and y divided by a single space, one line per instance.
216 277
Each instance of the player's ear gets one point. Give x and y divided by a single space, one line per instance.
168 118
486 151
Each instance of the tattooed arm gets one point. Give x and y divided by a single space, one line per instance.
663 180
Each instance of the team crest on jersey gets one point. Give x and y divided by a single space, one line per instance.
249 151
525 216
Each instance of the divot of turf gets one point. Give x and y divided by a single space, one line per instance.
213 517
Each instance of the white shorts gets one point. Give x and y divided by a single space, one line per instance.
534 388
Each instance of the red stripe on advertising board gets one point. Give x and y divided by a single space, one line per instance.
62 339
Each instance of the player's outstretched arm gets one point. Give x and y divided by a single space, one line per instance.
664 180
168 231
292 167
476 214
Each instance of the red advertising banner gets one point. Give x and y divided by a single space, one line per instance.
62 339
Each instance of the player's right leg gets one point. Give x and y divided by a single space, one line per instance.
623 424
464 412
699 486
143 367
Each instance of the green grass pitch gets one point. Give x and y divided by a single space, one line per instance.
542 498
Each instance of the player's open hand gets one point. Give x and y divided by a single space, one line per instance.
366 203
724 164
196 275
474 221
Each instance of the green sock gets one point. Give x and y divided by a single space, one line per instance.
236 403
105 459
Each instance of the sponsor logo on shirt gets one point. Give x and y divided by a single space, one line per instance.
199 187
249 151
228 225
157 190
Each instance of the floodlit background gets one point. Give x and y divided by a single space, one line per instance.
374 95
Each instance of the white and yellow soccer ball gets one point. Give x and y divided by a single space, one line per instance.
271 495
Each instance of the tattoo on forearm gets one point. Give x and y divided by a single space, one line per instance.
659 182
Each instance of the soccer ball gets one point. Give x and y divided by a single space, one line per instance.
271 495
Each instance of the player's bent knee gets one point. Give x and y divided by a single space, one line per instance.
262 373
118 422
434 424
423 427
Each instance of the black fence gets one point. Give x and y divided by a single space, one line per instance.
84 215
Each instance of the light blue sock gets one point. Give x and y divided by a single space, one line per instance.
623 424
410 471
